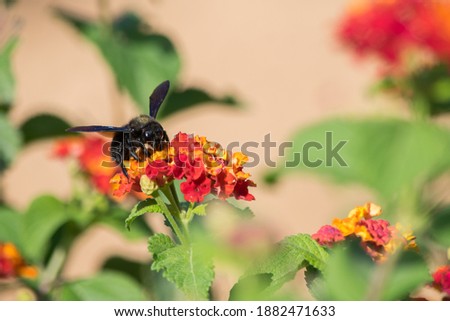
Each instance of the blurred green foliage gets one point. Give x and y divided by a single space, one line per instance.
7 84
351 275
43 126
102 287
140 60
10 142
386 155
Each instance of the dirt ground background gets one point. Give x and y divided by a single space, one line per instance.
280 58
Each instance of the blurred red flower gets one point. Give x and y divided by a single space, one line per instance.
90 156
378 238
441 279
393 29
12 263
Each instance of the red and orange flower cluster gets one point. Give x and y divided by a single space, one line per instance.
392 29
441 279
88 151
205 167
13 265
378 237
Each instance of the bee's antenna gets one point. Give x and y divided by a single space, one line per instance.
157 97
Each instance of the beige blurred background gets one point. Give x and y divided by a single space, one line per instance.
280 58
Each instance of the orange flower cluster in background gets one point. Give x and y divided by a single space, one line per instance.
13 265
88 151
378 237
203 166
441 279
392 29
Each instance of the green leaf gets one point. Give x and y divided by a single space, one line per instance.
429 89
43 126
374 153
11 226
9 3
158 243
106 286
234 205
410 274
347 274
252 288
183 99
7 82
293 253
147 206
114 218
184 265
440 227
350 274
10 142
139 58
42 219
200 209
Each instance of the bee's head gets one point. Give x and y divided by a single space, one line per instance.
152 132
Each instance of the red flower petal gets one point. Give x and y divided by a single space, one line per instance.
327 235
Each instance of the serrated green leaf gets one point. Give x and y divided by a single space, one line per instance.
43 126
374 153
188 268
43 217
293 253
140 59
147 206
7 82
314 281
106 286
184 99
10 142
158 243
11 225
200 209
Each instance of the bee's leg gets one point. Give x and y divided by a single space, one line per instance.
136 157
124 171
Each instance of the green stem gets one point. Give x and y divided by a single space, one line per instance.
175 195
170 217
421 107
189 214
171 195
54 266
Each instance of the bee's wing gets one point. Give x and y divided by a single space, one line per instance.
98 128
157 97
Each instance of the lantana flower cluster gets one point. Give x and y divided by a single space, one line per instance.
88 151
377 236
204 167
12 264
441 278
393 29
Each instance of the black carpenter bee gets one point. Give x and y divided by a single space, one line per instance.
140 137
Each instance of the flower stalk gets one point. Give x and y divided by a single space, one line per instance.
170 216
